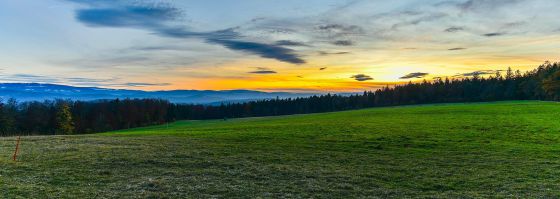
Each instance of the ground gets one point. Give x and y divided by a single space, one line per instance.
503 149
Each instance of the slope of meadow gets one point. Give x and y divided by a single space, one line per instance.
504 149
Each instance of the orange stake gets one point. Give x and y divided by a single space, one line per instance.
17 149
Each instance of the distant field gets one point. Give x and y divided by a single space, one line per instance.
505 149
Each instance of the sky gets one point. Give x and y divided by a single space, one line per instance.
271 45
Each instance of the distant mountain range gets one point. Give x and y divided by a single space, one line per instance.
40 92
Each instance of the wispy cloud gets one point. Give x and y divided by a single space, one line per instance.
476 73
142 84
29 78
414 75
340 30
290 43
323 53
477 5
128 16
362 77
494 34
263 50
343 43
160 19
454 29
263 71
455 49
75 81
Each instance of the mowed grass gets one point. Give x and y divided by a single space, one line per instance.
503 150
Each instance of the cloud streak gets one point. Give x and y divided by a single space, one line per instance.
127 16
454 29
76 81
362 77
414 75
477 73
323 53
290 43
494 34
263 50
159 19
263 71
141 84
343 43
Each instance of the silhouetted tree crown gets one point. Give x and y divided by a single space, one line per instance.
64 122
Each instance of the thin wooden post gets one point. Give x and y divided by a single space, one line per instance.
17 149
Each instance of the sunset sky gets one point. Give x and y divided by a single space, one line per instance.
270 45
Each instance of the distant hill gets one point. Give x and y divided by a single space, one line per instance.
35 91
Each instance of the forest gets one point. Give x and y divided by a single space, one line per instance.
62 117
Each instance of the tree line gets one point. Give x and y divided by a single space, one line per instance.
79 117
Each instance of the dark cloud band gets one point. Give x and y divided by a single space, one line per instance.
414 75
157 19
362 77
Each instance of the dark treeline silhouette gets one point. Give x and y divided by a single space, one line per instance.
68 117
542 83
78 117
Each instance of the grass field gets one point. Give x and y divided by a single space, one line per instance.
505 149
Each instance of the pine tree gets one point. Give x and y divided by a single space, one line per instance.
7 117
552 85
64 123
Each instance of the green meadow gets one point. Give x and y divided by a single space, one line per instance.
498 150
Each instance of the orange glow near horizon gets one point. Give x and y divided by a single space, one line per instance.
334 78
305 46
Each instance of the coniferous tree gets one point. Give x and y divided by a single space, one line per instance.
8 113
552 85
64 123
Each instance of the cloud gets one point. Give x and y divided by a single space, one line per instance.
454 29
160 48
80 80
494 34
363 23
343 43
340 30
323 53
437 78
141 84
263 50
323 68
128 16
472 5
413 18
414 75
477 73
263 72
230 39
289 43
75 81
30 78
159 19
331 27
280 31
361 77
